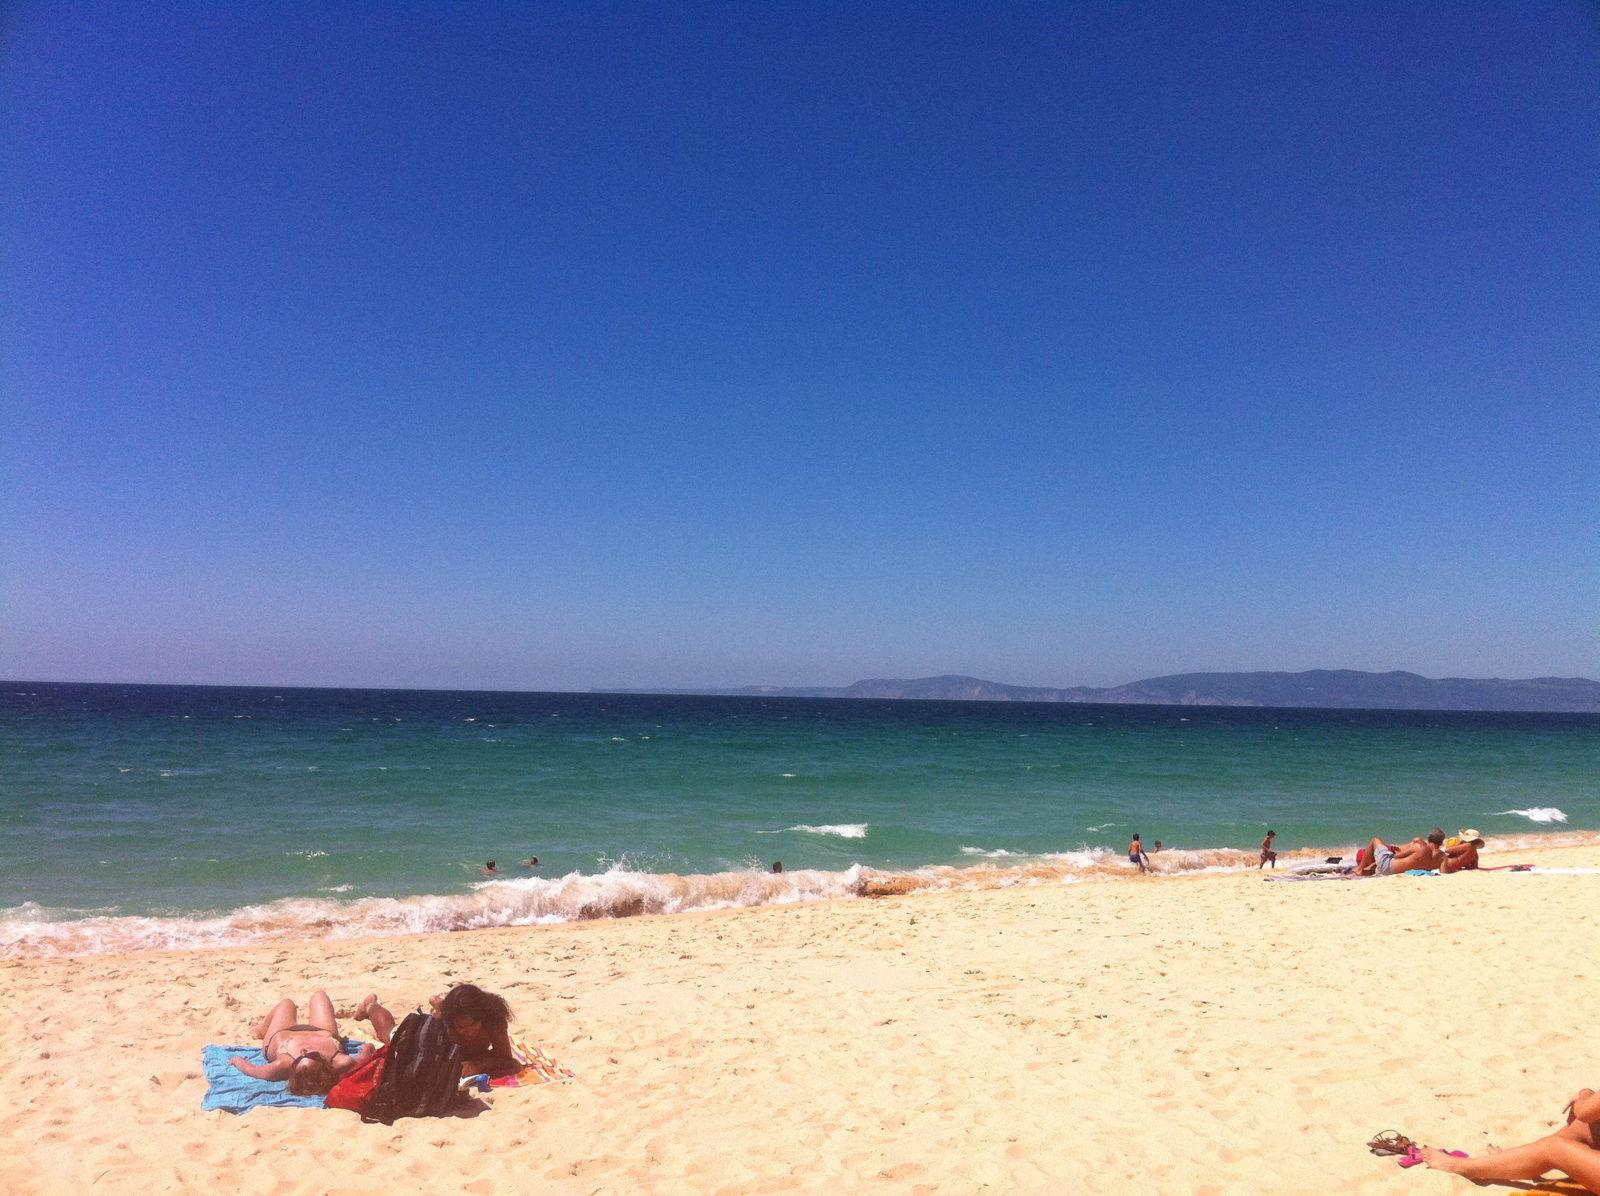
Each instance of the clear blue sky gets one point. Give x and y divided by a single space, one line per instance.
556 346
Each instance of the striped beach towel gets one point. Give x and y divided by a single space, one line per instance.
537 1068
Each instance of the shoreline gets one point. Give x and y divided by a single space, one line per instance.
1215 1034
33 932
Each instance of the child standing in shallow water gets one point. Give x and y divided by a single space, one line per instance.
1268 855
1136 854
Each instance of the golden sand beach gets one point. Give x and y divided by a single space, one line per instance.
1202 1034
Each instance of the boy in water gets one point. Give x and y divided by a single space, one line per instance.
1268 855
1136 854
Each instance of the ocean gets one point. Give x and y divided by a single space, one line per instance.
142 817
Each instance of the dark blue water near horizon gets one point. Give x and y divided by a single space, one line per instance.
182 812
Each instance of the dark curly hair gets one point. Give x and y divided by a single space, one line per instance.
468 1000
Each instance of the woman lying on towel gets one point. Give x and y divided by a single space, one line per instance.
1575 1150
310 1055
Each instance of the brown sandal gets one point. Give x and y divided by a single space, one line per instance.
1390 1142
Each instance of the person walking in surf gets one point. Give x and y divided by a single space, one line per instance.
1136 855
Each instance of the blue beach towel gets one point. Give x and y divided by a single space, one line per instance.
230 1089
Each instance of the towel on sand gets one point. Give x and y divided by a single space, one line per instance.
537 1068
230 1089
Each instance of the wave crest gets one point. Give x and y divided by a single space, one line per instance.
1537 814
841 830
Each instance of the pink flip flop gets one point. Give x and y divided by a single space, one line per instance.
1414 1156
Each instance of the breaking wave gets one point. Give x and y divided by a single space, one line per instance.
30 931
1537 814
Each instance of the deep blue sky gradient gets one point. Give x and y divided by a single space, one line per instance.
553 346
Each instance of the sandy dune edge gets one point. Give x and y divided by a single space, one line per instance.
1200 1034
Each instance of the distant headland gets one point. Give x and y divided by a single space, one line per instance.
1333 689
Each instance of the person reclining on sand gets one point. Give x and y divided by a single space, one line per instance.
1575 1150
1382 860
310 1055
477 1021
1461 857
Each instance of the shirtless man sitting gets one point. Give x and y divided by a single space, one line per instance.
1382 860
309 1055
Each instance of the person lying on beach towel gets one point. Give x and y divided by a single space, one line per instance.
310 1055
477 1021
1460 856
1574 1149
1380 859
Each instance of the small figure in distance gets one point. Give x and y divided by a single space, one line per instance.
490 870
1380 859
1575 1149
777 865
310 1055
531 862
1156 848
1137 856
1268 855
1461 856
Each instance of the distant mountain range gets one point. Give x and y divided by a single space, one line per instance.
1335 689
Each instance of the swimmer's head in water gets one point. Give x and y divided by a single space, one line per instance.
311 1075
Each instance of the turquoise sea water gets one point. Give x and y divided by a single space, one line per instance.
143 816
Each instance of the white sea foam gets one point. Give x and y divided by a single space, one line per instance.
624 889
30 931
1537 814
841 830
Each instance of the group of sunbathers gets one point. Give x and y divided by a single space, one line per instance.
1433 853
310 1056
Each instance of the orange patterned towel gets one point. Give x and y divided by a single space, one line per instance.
538 1068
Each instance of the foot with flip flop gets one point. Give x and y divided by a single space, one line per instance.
1394 1142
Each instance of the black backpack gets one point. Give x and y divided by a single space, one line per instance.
421 1072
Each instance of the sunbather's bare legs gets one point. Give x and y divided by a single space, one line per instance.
1572 1150
284 1013
1369 862
319 1013
370 1011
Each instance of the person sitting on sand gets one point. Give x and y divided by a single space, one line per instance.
1381 859
1461 857
309 1055
1268 856
1574 1149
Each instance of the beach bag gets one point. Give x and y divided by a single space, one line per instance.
354 1088
421 1074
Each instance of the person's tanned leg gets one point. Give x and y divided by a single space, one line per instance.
320 1012
282 1014
382 1020
1567 1150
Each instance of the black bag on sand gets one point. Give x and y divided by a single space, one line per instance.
421 1074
